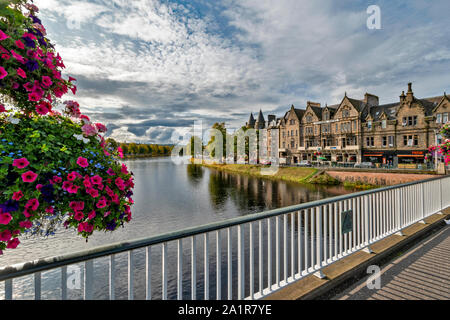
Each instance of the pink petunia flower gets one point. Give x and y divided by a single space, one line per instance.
21 73
3 73
57 179
2 108
72 176
73 189
21 163
96 179
32 204
29 176
34 97
78 216
82 162
46 81
25 224
20 44
66 185
5 235
92 215
17 56
17 195
76 205
41 109
3 36
101 203
89 130
5 218
12 244
111 172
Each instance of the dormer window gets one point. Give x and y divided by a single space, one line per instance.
308 119
326 116
369 124
383 124
345 113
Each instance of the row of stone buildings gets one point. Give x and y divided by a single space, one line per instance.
352 131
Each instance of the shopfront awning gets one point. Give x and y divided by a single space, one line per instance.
411 156
373 155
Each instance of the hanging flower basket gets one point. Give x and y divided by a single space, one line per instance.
55 168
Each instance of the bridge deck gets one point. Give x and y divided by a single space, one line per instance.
421 273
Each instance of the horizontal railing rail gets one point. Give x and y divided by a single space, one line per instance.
315 238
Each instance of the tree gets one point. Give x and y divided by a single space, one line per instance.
211 146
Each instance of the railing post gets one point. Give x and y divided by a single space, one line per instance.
399 211
319 243
423 203
441 207
367 221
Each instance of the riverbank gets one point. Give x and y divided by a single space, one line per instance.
290 174
354 180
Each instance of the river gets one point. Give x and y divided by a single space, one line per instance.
168 197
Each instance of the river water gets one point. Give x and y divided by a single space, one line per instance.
168 197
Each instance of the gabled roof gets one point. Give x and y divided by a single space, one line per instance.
317 111
358 104
300 113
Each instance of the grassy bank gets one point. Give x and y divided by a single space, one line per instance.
299 175
291 174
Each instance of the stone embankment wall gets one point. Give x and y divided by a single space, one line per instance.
377 178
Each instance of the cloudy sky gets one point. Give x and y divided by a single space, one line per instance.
149 68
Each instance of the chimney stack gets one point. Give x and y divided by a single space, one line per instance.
402 97
409 94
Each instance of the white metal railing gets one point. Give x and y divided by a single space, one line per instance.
248 257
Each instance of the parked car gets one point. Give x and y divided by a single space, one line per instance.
305 163
364 165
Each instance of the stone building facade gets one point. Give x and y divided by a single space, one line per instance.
360 130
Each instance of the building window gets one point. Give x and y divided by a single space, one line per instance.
439 118
445 117
391 141
354 125
412 121
404 122
345 113
416 141
292 144
308 119
370 141
369 124
337 128
384 141
384 124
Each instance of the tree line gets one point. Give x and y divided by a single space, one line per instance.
141 149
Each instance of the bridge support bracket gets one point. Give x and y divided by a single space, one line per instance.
368 250
319 274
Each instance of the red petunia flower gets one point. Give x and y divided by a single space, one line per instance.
29 176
